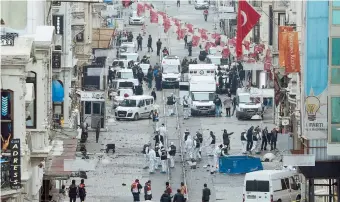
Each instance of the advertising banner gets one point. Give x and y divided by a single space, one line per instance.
282 44
293 53
15 171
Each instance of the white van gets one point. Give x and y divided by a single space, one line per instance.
171 71
271 186
202 70
129 56
125 74
128 47
135 107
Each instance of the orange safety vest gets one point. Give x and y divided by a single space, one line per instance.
134 187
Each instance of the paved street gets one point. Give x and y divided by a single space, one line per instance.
115 172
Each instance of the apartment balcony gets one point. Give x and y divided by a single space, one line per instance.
83 50
97 7
256 4
78 21
77 8
38 143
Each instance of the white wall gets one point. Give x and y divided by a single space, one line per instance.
35 15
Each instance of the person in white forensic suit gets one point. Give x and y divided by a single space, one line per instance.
152 160
244 141
186 107
164 157
197 146
189 147
146 149
158 157
215 163
162 130
172 153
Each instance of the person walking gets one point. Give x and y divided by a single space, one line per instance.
178 3
206 193
159 46
172 153
153 94
227 105
264 139
184 191
273 140
244 141
234 103
72 191
139 42
97 131
135 190
179 197
147 190
218 104
165 197
168 188
145 152
212 143
149 76
250 138
189 45
185 41
164 159
150 44
205 14
82 190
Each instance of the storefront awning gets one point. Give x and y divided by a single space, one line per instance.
55 163
57 91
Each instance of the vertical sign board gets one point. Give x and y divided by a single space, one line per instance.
15 171
58 23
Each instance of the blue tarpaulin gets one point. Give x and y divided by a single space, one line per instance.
57 91
239 164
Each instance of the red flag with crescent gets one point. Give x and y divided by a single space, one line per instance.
267 60
246 45
162 14
232 42
195 41
258 48
215 36
190 28
209 45
140 9
166 24
126 3
222 44
176 21
147 6
153 16
247 17
225 53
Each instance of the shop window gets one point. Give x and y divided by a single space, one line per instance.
336 17
335 109
7 104
335 76
335 134
87 107
285 183
31 100
335 51
95 108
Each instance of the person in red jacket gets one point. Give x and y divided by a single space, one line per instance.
205 14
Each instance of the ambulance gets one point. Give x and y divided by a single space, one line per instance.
171 71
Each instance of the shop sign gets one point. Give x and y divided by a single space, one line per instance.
15 171
92 96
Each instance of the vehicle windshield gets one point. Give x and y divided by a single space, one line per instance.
118 63
257 186
125 75
128 103
202 96
126 84
244 99
170 69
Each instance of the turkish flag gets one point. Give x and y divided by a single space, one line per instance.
162 14
209 45
232 42
166 24
195 41
247 17
147 6
176 21
267 61
204 35
126 3
153 16
225 53
190 28
222 44
247 45
258 48
140 9
215 36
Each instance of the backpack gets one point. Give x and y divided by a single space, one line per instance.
81 191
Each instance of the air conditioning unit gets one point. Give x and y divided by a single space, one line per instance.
290 16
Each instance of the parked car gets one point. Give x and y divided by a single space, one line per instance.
134 19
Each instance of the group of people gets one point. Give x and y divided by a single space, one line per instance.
256 139
167 196
74 192
149 45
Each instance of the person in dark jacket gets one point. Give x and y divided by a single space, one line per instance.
234 103
165 197
159 81
250 138
153 94
206 193
273 140
179 196
226 140
97 131
72 191
159 46
158 138
185 41
189 44
82 190
150 44
212 143
264 139
218 104
149 76
139 42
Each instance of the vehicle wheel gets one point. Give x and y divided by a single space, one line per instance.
279 200
136 117
150 115
118 119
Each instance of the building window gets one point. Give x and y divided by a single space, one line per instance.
7 104
335 76
336 17
256 33
31 100
335 134
336 3
335 51
335 109
281 19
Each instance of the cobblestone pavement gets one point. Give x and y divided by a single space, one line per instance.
115 172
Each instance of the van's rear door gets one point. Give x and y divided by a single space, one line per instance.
257 191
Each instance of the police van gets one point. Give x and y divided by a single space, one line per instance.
171 71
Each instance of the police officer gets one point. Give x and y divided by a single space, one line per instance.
158 156
139 42
159 46
172 153
190 48
135 190
164 157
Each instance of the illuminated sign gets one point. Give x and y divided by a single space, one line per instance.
15 171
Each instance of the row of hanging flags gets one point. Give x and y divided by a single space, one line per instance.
247 18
